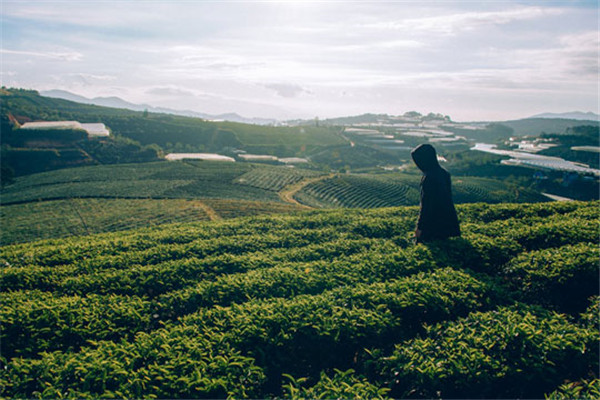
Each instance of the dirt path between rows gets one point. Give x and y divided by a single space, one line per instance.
210 212
288 192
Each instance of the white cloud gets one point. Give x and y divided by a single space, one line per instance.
383 55
286 90
170 92
580 53
377 45
570 59
91 77
105 14
63 56
453 23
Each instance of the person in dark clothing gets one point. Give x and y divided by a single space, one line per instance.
437 218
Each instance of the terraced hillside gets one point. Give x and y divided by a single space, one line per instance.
323 304
372 191
109 198
117 197
149 180
83 216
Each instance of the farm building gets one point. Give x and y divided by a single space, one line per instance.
293 160
257 157
93 130
198 156
591 149
532 160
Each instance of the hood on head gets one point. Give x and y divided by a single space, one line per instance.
425 157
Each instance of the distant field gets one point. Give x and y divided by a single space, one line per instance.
80 201
372 191
245 181
473 189
256 135
187 180
77 217
86 200
166 130
274 178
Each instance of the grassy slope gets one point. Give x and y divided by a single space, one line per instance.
212 309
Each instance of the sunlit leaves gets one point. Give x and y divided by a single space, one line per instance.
321 304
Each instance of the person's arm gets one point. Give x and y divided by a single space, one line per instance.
418 233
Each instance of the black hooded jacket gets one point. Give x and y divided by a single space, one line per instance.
437 219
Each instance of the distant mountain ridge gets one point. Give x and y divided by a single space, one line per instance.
116 102
579 115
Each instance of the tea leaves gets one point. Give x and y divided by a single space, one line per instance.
321 304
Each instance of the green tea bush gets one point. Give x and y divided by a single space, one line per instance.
555 232
179 363
238 288
290 279
483 212
562 277
476 252
303 334
517 352
327 250
581 390
36 321
382 228
590 318
228 308
35 277
342 385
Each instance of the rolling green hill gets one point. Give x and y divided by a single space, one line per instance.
323 304
106 198
244 181
388 190
537 126
83 216
159 180
79 201
167 130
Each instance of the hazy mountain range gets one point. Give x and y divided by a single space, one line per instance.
584 116
116 102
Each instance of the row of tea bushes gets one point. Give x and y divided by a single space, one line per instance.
514 352
206 353
288 305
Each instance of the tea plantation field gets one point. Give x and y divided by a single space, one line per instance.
83 216
320 304
158 180
389 190
108 198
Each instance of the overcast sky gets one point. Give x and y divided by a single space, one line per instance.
472 60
